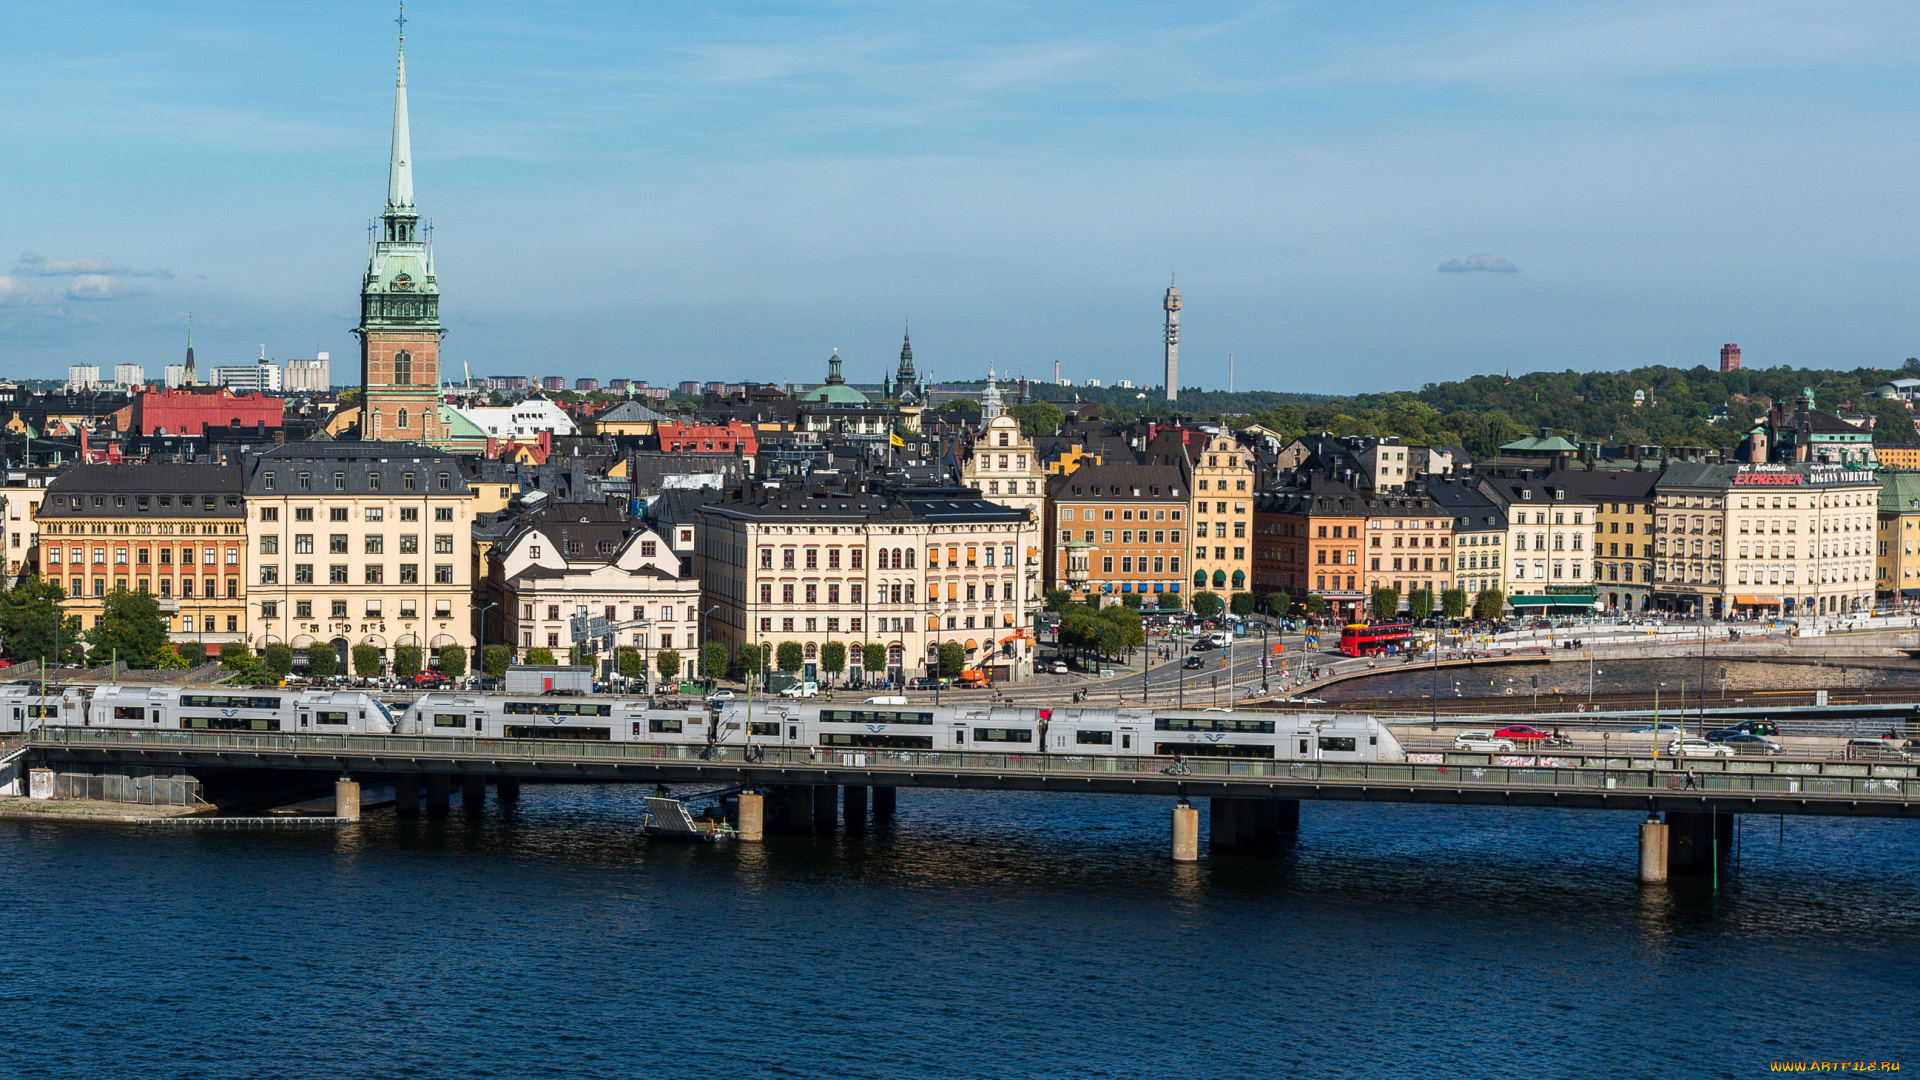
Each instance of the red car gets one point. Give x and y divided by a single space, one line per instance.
431 680
1518 732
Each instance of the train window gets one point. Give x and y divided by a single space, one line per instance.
1001 734
129 712
555 708
1093 738
337 717
229 723
873 716
877 742
636 727
1126 742
43 711
443 719
227 701
1303 746
576 734
770 728
793 732
1373 740
1167 749
1213 723
1338 745
663 723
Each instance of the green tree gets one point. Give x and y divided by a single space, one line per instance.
1316 604
1133 630
667 662
1489 605
453 661
953 658
406 661
1131 600
790 656
322 661
1207 604
366 661
30 620
1169 601
495 659
169 659
833 658
1241 604
1420 604
1893 423
540 656
243 662
1278 603
130 627
873 658
1056 600
192 652
1038 419
1453 603
278 660
713 661
1109 640
1386 603
755 659
628 662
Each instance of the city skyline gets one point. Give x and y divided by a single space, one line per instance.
708 227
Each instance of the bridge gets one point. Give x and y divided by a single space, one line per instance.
1253 801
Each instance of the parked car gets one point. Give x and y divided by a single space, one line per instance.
1746 743
1522 733
1059 668
1541 624
1691 746
720 698
1194 662
1480 740
429 680
801 690
924 683
1752 727
1877 750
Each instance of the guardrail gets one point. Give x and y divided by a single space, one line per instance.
1566 773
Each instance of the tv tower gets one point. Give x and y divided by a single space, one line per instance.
1172 304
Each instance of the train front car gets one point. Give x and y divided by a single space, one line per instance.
341 712
1337 737
132 706
1103 732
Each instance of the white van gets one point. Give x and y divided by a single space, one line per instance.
884 700
801 690
1220 639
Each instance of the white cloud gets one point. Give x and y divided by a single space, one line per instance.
63 267
100 287
16 293
1473 264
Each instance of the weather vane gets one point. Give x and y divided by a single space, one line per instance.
402 21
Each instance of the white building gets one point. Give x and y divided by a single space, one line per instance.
129 375
82 376
176 376
522 421
309 376
257 377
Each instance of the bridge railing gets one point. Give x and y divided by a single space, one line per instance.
1617 775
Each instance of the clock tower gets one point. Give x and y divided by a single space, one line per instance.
399 327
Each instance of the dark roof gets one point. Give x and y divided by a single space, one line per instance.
1121 481
211 489
356 464
1463 499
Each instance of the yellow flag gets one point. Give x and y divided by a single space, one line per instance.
896 439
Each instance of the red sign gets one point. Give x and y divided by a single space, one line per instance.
1771 479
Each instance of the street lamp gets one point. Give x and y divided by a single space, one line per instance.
704 616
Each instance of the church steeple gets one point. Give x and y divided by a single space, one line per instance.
834 378
400 166
190 377
906 383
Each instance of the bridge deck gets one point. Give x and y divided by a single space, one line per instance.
1769 786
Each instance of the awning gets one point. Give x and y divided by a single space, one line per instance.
1553 600
1757 601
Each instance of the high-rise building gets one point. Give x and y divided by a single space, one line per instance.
1729 357
129 375
553 382
586 386
176 376
1172 304
313 376
262 377
400 305
82 376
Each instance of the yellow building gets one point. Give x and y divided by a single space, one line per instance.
1222 512
1897 539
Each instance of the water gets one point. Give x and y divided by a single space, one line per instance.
981 935
1727 680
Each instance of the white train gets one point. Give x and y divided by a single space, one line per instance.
195 708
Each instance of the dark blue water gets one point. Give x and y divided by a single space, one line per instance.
982 935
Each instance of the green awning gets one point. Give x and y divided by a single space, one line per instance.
1553 600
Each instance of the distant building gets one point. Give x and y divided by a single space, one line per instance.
586 386
553 382
309 376
129 375
508 382
689 388
265 377
524 420
82 377
1729 357
618 384
184 412
176 376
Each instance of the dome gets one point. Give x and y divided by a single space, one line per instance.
835 394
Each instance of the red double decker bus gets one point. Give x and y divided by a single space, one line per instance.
1360 639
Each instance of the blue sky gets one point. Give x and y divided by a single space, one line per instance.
681 191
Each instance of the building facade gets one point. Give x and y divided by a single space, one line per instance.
1409 545
1119 530
1549 546
1623 541
1222 514
313 376
1479 535
1897 545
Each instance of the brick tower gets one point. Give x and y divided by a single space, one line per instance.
399 327
1729 357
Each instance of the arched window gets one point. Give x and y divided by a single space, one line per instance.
400 418
909 558
1219 579
403 369
813 650
1200 579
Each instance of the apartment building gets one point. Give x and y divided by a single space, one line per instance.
176 531
1897 544
1002 466
1549 545
1222 512
1118 530
1623 541
1409 544
907 569
1310 540
1479 534
360 544
20 511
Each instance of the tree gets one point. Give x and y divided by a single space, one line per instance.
245 665
667 662
169 659
873 660
30 620
129 627
1278 603
495 659
453 661
1109 640
1453 603
713 661
1316 604
322 661
1386 603
790 656
278 660
1241 604
833 658
1132 601
539 655
1420 603
406 661
628 662
755 659
1038 419
366 661
1169 601
1207 604
192 652
1489 605
1056 600
953 658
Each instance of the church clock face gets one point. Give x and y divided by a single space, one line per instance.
403 283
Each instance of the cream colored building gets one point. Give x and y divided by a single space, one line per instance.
1549 549
1897 548
20 509
1222 514
906 569
1001 465
360 544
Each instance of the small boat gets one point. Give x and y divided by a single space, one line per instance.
668 819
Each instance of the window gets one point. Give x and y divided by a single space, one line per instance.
376 513
443 573
303 513
409 573
406 481
374 544
376 574
374 609
340 482
443 513
373 478
270 545
409 513
337 574
337 513
443 544
409 543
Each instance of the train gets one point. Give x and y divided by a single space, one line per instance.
1067 732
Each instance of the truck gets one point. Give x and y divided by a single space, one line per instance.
550 679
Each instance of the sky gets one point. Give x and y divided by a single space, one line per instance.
1355 197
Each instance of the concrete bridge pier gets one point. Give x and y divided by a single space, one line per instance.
1695 840
883 802
1186 833
795 802
824 810
473 794
1223 822
439 791
854 798
752 817
346 799
508 789
406 793
1653 851
1247 822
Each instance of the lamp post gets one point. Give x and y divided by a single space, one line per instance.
702 651
480 630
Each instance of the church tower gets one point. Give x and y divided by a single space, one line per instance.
906 384
399 327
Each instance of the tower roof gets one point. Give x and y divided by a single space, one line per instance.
400 165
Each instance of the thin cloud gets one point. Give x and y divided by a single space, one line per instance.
63 267
101 287
1478 264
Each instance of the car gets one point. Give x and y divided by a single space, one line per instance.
429 680
720 698
1194 662
1746 743
1752 727
1693 746
1059 668
1522 733
1480 740
1877 749
801 690
1202 645
1649 729
1541 624
924 683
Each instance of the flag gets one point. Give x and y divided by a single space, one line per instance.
895 439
